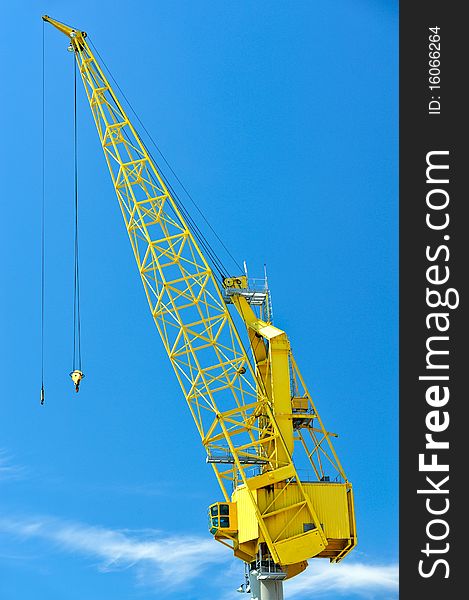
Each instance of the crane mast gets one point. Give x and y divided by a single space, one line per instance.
252 410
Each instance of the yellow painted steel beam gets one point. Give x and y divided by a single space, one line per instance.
66 29
236 404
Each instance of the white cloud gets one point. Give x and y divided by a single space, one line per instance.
7 469
163 561
156 558
351 578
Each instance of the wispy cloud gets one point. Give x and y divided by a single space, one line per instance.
155 558
321 579
8 470
351 578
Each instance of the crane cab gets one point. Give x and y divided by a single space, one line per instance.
222 519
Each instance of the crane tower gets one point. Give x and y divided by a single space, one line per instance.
256 419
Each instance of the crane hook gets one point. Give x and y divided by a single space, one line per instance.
77 376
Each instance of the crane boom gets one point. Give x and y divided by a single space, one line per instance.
251 410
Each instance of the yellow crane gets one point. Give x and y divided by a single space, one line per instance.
256 419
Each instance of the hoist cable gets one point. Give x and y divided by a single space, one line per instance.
76 278
166 162
43 202
219 267
196 231
203 241
216 262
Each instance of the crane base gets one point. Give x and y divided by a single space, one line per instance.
265 589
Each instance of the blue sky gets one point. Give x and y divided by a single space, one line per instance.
281 118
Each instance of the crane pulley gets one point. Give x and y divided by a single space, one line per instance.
255 416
